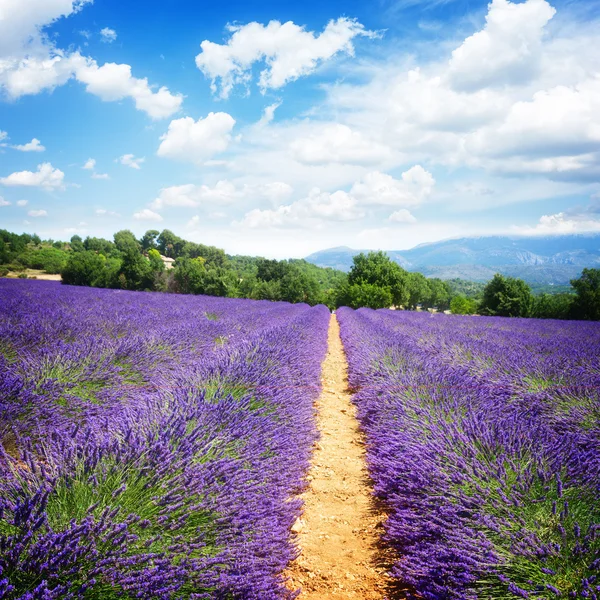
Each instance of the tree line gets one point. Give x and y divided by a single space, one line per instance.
374 281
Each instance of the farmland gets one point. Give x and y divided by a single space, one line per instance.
190 447
151 444
484 442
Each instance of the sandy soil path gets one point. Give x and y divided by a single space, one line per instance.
339 530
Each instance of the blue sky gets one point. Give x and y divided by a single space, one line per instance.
283 128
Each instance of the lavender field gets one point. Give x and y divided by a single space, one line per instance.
152 444
484 443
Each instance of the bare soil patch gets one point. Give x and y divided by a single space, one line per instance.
338 534
34 274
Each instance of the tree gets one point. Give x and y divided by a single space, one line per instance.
368 295
553 306
125 241
376 269
506 297
189 275
137 271
296 286
587 288
461 305
418 289
83 268
439 294
77 244
149 240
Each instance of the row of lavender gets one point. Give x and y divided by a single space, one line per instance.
151 443
484 442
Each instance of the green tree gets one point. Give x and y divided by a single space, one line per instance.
297 286
148 241
125 241
77 244
83 268
587 288
418 289
439 294
136 270
376 269
506 297
553 306
461 305
189 275
368 295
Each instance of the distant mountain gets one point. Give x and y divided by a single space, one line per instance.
547 260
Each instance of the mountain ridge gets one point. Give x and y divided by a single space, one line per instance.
537 259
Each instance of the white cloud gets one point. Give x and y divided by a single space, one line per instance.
129 160
4 202
22 22
102 212
3 135
46 177
90 164
507 50
222 193
382 189
268 114
196 141
100 176
402 216
559 122
108 35
147 215
578 220
112 82
37 213
318 206
337 143
288 50
33 146
22 202
30 61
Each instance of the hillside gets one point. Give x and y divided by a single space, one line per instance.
538 260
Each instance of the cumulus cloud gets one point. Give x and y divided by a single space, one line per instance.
288 50
100 176
195 141
224 192
147 215
402 216
112 82
3 135
507 50
37 213
516 97
22 202
382 189
46 177
30 62
33 146
129 160
308 212
577 220
90 164
4 202
108 35
338 143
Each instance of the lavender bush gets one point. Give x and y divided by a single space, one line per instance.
151 444
484 443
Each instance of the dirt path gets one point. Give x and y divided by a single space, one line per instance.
339 530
